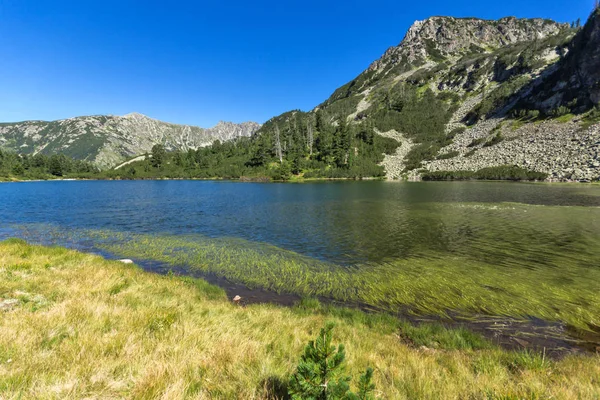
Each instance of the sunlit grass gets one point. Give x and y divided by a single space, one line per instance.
84 327
486 277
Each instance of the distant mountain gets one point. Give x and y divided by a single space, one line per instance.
108 140
464 94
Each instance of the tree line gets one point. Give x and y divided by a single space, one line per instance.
296 144
41 166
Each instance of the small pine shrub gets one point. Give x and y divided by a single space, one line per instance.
320 373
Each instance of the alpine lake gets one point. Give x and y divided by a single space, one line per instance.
517 262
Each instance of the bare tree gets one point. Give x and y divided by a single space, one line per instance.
278 143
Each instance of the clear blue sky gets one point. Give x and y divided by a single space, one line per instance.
198 62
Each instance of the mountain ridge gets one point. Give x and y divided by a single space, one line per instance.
518 97
490 32
108 140
467 94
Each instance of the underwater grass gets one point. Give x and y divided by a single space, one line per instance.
486 274
101 329
432 285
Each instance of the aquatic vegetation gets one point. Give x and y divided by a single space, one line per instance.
465 276
168 336
425 285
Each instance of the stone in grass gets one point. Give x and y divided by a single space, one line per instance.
8 304
126 261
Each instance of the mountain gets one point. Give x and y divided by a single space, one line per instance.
456 98
466 94
108 140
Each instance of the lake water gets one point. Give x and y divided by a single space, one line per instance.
346 222
527 232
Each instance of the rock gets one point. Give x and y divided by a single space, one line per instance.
8 304
126 261
449 36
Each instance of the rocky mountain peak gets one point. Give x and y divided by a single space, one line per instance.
135 115
439 38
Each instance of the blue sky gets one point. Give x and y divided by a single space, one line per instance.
198 62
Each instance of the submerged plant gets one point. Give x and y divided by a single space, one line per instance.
484 269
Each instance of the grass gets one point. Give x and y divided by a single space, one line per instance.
564 118
89 328
554 287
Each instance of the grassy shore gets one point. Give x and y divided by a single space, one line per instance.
430 283
84 327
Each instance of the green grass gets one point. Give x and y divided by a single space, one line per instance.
593 117
109 330
564 118
548 282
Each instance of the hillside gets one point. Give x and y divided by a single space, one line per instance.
108 140
516 95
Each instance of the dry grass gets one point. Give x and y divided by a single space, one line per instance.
89 328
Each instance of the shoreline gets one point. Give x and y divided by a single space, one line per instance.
555 339
503 331
307 180
147 335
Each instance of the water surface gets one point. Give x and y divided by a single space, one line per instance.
346 222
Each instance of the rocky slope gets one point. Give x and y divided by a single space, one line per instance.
465 94
441 37
534 93
109 140
565 144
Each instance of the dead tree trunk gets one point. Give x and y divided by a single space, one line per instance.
278 151
309 136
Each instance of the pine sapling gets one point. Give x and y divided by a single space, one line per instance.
320 373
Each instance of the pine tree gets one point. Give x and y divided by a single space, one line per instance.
366 387
343 143
320 373
309 135
18 169
56 166
158 155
